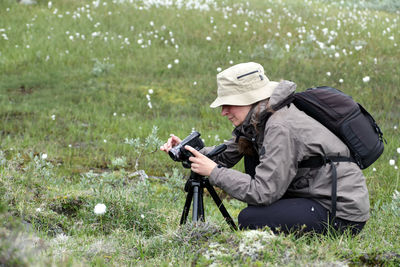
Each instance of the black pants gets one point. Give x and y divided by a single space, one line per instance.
298 215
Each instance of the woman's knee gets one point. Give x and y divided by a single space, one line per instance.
245 219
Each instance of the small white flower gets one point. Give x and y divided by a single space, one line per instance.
142 216
395 167
194 83
69 145
208 38
176 61
398 150
395 127
374 169
366 79
337 54
44 156
149 104
100 209
396 194
105 141
219 69
151 91
169 66
115 114
340 80
148 97
328 73
53 117
38 210
392 162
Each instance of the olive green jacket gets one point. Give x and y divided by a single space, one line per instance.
289 137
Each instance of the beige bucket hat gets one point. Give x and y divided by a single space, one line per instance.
243 84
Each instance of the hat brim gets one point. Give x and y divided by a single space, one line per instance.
246 98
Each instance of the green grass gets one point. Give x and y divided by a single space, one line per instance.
75 85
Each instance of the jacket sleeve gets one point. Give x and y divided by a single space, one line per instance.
277 168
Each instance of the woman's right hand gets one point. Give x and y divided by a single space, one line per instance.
172 141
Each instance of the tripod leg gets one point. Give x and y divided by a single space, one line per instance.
186 208
195 211
221 206
201 204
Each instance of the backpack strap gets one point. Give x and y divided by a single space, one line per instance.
319 161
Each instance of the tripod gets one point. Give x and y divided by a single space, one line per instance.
195 187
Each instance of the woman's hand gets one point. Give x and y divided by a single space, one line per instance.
172 141
200 163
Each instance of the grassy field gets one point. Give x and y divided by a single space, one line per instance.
90 89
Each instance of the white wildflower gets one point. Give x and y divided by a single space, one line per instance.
44 156
398 150
374 169
176 61
53 117
219 69
328 73
142 216
151 91
100 209
149 104
169 66
208 38
105 141
392 162
366 79
396 194
340 80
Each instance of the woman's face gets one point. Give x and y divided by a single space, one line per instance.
236 114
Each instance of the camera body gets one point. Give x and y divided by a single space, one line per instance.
179 153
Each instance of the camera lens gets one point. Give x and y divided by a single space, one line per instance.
174 153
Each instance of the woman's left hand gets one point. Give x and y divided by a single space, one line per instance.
200 163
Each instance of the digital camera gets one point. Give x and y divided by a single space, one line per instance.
179 153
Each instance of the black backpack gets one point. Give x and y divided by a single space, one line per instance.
346 119
349 121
